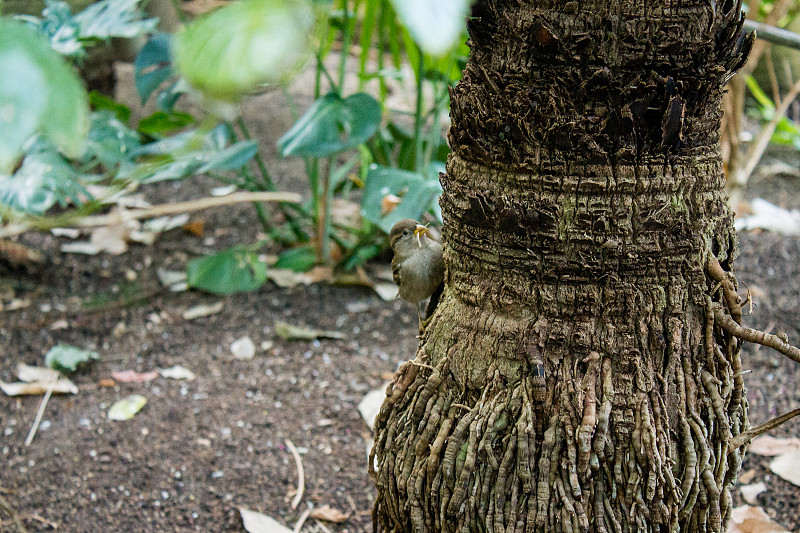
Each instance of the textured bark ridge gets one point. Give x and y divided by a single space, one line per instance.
574 376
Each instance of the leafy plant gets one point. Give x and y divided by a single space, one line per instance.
65 358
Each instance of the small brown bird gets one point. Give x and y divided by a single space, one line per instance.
417 265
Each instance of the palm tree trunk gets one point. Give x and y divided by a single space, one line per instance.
574 377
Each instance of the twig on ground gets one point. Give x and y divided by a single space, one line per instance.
40 412
149 212
746 436
303 517
301 476
5 506
322 526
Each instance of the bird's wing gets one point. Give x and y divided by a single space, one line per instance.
396 271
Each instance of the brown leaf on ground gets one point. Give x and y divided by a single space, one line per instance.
746 519
769 446
132 376
329 514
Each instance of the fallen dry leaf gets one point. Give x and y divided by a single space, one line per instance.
750 492
370 405
132 376
62 386
388 203
787 466
260 523
747 519
177 372
106 382
199 311
329 514
285 277
31 373
289 332
767 445
195 227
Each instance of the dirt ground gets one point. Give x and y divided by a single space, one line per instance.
200 449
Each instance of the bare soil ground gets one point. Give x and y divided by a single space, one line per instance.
200 449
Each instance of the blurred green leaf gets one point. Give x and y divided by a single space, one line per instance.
183 154
113 18
233 50
227 272
416 190
44 179
435 26
126 408
332 124
300 259
153 65
102 102
111 141
59 26
39 93
65 358
161 123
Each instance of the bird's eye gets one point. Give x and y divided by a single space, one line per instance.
406 233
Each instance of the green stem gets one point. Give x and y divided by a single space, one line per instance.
327 198
418 114
345 46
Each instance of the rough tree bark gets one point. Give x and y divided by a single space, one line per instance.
577 375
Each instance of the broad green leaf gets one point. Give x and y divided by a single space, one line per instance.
59 26
233 50
126 408
177 157
113 18
234 270
43 180
434 25
416 190
161 123
65 358
332 124
153 65
299 259
38 93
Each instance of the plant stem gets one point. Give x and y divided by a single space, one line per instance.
324 224
418 119
345 46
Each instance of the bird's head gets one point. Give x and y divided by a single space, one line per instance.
406 234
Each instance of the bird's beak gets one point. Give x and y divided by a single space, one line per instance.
419 231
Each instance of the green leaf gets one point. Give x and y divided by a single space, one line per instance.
153 65
232 157
39 93
233 50
234 270
59 26
111 141
161 123
102 102
65 358
300 259
127 408
434 25
417 192
44 179
332 124
113 18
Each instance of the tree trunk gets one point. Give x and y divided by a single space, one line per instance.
574 376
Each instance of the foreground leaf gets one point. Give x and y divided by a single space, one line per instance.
234 270
40 93
231 51
787 466
65 358
43 180
332 124
435 26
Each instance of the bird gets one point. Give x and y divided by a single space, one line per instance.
417 265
